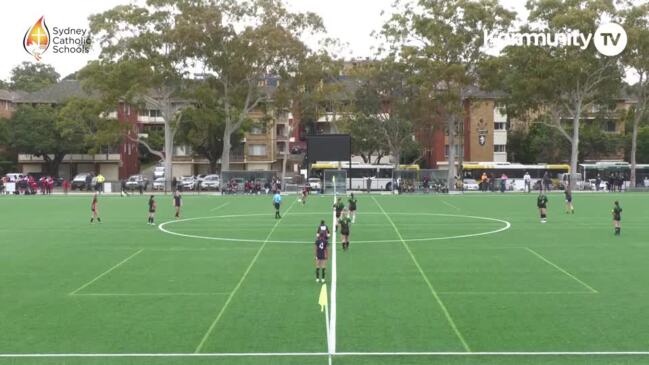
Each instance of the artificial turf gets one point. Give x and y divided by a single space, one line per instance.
229 278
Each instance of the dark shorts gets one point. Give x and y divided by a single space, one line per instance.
276 205
338 214
569 200
542 206
344 232
352 209
151 210
320 255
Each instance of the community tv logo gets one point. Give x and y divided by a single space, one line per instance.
609 39
64 40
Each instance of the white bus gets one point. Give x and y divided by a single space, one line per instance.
379 176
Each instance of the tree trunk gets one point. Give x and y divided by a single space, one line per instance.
451 152
225 155
574 153
285 156
52 165
634 146
213 162
169 152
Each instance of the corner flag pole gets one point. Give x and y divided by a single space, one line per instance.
334 278
324 307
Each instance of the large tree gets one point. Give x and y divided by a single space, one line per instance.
558 86
30 76
53 132
239 45
140 64
442 40
636 59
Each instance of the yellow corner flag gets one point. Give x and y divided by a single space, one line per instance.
323 300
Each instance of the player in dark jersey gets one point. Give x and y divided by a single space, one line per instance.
617 217
177 202
339 206
321 254
152 207
345 222
322 231
305 193
542 204
95 209
569 207
352 207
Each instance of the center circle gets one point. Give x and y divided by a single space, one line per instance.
505 226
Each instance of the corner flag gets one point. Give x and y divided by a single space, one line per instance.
323 300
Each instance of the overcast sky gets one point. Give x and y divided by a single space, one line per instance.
351 21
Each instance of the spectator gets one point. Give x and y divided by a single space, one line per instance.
2 185
100 183
528 182
546 181
66 186
503 183
123 186
89 182
598 181
49 184
174 183
483 182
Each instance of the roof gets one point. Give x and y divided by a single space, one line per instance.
55 94
474 92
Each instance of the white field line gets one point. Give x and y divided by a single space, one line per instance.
590 288
322 354
150 294
105 272
236 288
430 285
450 205
334 278
219 207
506 226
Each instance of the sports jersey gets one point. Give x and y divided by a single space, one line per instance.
344 225
568 196
542 201
152 206
277 198
177 199
339 208
352 203
321 249
323 231
617 213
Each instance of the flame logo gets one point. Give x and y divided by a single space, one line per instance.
37 39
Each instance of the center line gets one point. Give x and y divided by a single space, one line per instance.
430 285
236 288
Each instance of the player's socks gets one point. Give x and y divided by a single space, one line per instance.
92 220
98 219
317 274
324 275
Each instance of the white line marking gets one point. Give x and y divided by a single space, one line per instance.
236 288
561 269
322 354
105 272
514 292
219 207
149 294
506 226
430 285
334 278
450 205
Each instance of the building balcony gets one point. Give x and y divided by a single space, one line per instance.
79 158
150 120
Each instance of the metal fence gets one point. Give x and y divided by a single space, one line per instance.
419 181
259 182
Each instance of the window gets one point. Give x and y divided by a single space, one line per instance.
500 148
257 150
155 113
457 151
610 126
499 126
256 129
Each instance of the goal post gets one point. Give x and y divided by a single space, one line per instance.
335 182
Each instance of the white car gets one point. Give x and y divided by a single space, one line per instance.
158 172
315 184
159 183
187 182
211 182
470 185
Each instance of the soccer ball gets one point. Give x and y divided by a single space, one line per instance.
299 200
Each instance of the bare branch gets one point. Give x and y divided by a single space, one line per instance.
147 146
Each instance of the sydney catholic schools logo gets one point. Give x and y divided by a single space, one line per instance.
64 40
37 39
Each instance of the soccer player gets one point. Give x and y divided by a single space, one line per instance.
542 204
569 207
322 231
277 201
95 210
321 255
344 222
152 206
305 193
177 202
339 206
352 207
617 217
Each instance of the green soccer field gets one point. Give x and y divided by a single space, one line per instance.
467 279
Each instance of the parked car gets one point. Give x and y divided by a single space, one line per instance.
159 183
136 181
158 171
187 183
470 185
211 182
79 181
314 184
